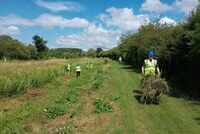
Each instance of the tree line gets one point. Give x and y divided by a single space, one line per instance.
177 49
14 49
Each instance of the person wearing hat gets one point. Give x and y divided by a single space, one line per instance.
150 66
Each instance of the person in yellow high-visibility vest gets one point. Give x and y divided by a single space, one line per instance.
4 58
78 70
87 65
120 59
91 65
69 67
150 66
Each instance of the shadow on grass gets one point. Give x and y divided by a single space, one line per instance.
130 68
137 97
197 120
137 92
176 90
196 103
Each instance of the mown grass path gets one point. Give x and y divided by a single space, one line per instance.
172 116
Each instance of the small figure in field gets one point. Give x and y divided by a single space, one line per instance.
69 67
4 59
78 70
91 65
87 65
120 59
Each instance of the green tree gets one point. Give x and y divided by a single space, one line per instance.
91 53
98 51
40 43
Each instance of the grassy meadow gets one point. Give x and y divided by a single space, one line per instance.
100 101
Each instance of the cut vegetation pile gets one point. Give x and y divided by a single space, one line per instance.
151 88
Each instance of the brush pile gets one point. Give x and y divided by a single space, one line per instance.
151 88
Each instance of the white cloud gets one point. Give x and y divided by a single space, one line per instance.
185 6
167 21
92 37
155 6
44 20
10 30
14 20
124 18
48 20
59 6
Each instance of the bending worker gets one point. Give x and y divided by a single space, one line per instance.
91 65
150 66
78 70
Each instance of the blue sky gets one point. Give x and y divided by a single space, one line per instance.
85 23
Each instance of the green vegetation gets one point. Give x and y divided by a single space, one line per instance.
65 130
65 53
101 106
177 50
67 104
14 49
40 44
98 80
54 101
151 88
72 96
16 77
54 111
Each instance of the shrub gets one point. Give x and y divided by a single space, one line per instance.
102 106
72 96
97 84
54 111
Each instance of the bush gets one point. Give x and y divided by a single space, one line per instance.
54 111
72 96
97 84
102 106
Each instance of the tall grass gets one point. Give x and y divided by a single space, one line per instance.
17 76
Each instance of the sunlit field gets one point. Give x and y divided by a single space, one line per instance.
100 101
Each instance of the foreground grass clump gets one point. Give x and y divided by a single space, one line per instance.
65 130
54 111
16 77
58 109
151 88
98 80
101 106
72 96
